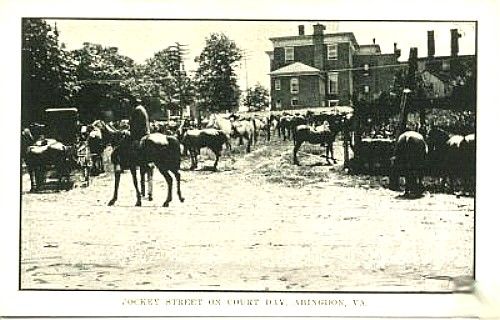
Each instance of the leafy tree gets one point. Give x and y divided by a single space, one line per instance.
256 98
48 72
170 88
102 72
216 81
463 95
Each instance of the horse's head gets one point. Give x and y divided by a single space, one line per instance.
119 137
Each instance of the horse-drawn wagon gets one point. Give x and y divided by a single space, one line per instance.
60 150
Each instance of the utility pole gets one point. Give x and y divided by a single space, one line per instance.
176 54
245 56
403 112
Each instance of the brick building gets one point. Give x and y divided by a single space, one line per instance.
321 69
444 75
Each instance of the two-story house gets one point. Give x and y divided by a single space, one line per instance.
322 70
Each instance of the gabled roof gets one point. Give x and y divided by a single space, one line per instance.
445 77
296 68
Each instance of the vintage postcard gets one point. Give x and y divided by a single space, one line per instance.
226 165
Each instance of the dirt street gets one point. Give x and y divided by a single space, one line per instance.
259 223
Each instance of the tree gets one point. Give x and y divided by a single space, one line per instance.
48 72
172 89
256 98
102 73
215 79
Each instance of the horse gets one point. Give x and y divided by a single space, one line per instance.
294 122
45 152
320 135
225 125
409 161
140 148
244 129
195 139
261 125
284 126
451 156
274 125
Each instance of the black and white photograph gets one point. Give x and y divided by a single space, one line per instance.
247 155
249 159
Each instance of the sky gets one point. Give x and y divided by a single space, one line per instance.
140 39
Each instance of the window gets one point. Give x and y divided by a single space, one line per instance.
446 65
289 56
331 51
295 102
333 83
333 103
277 84
366 69
278 104
367 89
294 85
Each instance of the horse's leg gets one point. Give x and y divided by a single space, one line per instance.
142 172
193 156
149 175
249 142
39 176
133 172
327 152
217 155
168 178
117 185
410 183
331 153
296 148
33 181
178 178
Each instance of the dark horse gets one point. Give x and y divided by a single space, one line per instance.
140 149
452 156
213 139
409 161
43 153
324 134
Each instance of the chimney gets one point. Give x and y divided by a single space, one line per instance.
318 29
319 46
301 30
431 49
397 52
373 40
454 42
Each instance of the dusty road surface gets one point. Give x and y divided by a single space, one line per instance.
259 223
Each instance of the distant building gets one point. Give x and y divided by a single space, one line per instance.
322 70
444 74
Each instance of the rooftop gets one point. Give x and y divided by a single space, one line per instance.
294 69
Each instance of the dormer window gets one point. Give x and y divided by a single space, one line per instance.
331 51
289 54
